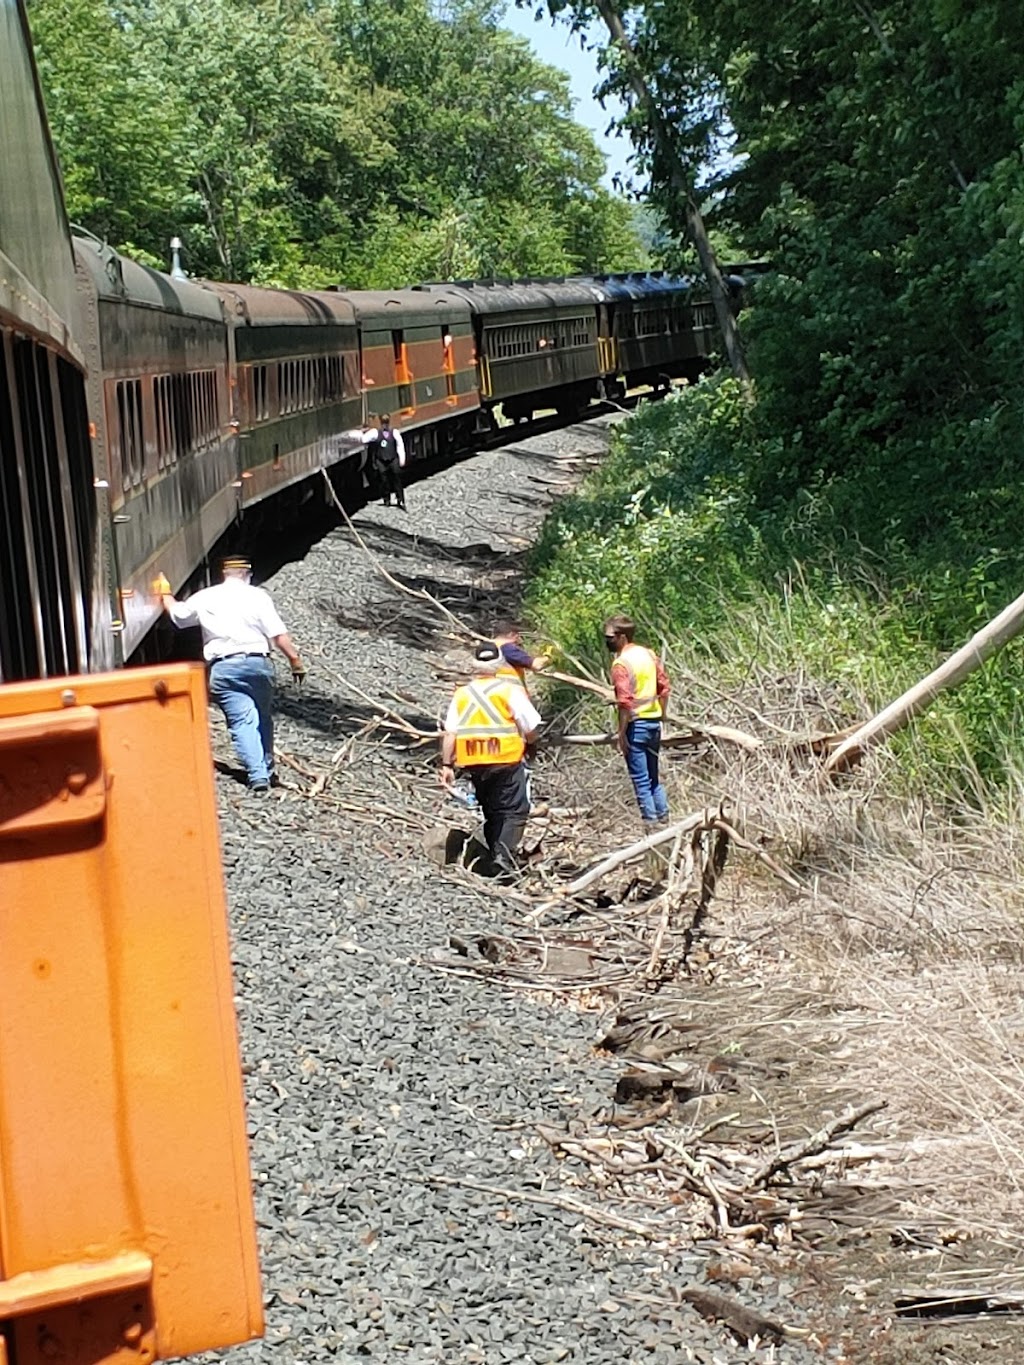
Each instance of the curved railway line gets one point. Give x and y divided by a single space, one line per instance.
474 1139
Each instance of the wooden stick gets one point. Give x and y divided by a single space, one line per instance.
958 666
699 819
759 853
552 1201
692 734
817 1142
678 881
703 1181
744 1321
601 690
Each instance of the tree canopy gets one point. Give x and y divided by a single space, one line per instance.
871 153
305 142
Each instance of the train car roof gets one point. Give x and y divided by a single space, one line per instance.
252 306
642 285
505 296
123 280
410 306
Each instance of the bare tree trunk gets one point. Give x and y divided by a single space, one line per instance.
682 187
988 641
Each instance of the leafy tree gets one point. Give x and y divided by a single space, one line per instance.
121 138
300 142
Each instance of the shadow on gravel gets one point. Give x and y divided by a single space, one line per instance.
381 539
340 717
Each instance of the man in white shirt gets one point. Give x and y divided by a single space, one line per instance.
239 625
387 460
490 723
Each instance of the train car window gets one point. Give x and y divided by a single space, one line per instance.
448 362
128 395
166 434
214 406
403 376
261 409
193 413
199 401
194 417
38 444
19 652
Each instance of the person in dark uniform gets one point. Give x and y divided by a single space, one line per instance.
387 460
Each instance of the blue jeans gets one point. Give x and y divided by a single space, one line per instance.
244 689
643 740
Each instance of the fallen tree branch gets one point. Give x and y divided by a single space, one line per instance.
817 1142
744 1321
551 1201
698 820
958 666
760 854
692 734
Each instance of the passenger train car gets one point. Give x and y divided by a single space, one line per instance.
143 416
47 506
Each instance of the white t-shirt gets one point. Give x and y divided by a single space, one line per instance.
235 617
524 713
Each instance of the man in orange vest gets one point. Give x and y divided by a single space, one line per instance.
641 695
490 722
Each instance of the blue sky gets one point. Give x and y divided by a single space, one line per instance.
558 46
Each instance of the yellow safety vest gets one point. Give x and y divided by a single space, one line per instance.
510 674
486 731
643 669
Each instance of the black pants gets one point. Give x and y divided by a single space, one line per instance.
501 790
389 481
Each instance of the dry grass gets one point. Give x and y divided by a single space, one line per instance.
897 973
900 969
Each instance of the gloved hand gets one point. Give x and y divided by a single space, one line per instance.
298 672
161 586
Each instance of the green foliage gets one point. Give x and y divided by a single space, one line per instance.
307 142
872 153
670 530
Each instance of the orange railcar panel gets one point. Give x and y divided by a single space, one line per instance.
126 1221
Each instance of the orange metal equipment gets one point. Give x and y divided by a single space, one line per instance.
126 1221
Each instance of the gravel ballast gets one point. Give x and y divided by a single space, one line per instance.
369 1072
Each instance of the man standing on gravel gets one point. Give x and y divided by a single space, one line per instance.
239 625
490 722
641 695
387 460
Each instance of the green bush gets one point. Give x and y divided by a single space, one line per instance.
831 580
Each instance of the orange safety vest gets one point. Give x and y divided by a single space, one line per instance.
643 669
486 731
